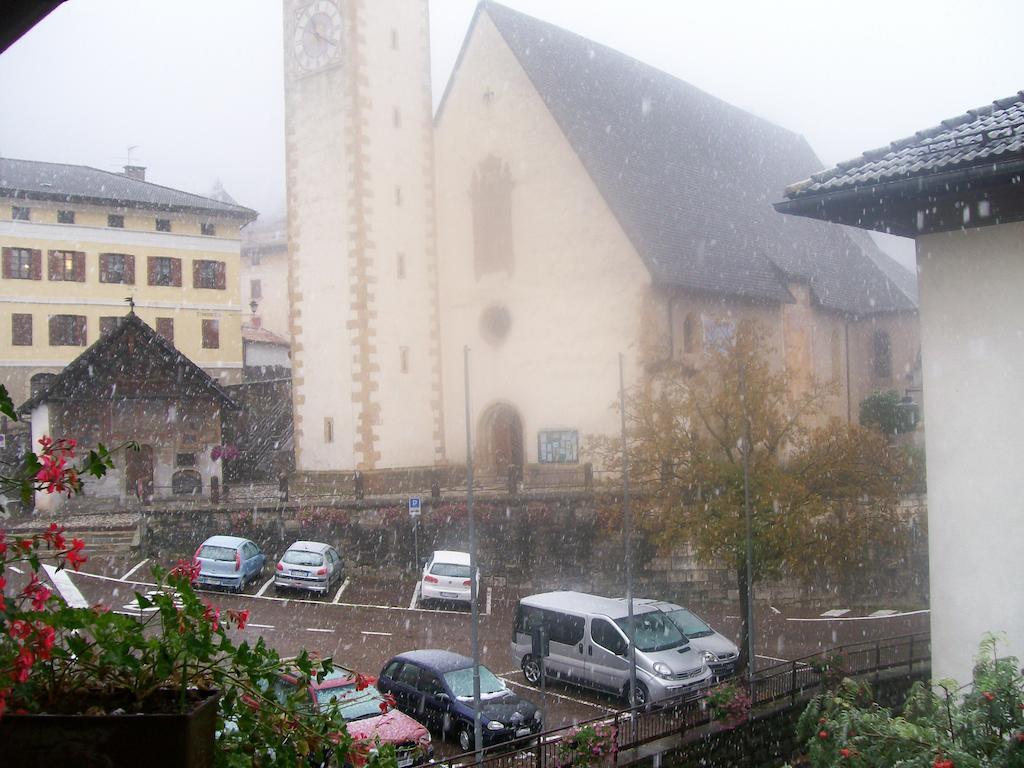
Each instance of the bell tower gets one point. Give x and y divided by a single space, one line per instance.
362 278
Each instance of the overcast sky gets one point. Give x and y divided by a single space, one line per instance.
196 85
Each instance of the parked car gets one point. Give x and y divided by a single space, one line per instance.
310 565
720 653
228 561
436 688
446 577
363 716
587 644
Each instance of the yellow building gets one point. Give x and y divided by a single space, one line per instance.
77 242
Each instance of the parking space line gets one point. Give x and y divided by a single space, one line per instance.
415 597
260 626
368 632
488 611
771 658
318 629
263 589
562 696
133 569
341 589
66 588
882 613
836 613
15 568
863 618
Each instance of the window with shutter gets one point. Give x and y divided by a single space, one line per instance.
115 220
21 330
165 327
117 268
163 225
108 325
165 271
211 334
21 264
208 274
68 331
67 266
65 217
208 229
20 213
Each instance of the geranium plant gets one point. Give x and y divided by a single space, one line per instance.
941 725
728 704
588 745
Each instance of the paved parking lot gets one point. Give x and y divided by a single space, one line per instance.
373 615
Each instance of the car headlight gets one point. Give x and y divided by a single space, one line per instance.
495 725
662 670
709 657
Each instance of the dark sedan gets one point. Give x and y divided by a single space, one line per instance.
436 688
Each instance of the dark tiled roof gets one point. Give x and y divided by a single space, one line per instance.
79 183
691 178
132 355
991 134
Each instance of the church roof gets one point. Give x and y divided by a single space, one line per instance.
132 361
61 182
691 178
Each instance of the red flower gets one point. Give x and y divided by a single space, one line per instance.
845 752
988 696
240 618
212 615
822 735
940 763
1020 737
363 682
388 703
23 664
19 629
74 555
186 569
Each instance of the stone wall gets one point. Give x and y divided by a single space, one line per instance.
537 545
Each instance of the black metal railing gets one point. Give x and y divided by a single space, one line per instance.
791 680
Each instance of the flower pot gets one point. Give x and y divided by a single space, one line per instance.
107 741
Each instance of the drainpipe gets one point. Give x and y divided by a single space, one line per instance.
671 332
849 393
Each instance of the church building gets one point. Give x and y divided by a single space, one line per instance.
564 204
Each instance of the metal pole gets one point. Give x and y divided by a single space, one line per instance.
749 532
627 521
478 736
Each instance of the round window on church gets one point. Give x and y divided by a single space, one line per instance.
495 323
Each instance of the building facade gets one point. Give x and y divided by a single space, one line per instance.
78 242
956 189
265 273
573 223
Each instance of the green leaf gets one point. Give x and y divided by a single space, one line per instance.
7 405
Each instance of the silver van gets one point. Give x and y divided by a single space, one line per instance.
720 653
587 647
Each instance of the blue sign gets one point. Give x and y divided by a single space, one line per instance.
414 506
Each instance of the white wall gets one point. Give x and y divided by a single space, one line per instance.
972 329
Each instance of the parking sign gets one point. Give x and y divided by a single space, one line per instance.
414 506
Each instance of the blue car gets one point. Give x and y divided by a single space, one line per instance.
228 561
436 688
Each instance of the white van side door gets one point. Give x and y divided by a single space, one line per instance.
606 663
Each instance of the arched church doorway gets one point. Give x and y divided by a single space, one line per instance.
500 440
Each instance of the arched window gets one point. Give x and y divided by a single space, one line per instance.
691 334
491 194
186 482
881 355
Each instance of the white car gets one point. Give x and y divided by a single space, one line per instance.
310 565
446 577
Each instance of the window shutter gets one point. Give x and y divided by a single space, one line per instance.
195 274
104 260
8 258
151 270
129 269
55 266
80 330
221 276
176 273
37 264
79 266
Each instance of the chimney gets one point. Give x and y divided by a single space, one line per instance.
135 172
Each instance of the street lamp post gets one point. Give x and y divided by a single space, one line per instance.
749 532
627 521
475 618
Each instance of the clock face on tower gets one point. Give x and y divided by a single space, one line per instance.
317 40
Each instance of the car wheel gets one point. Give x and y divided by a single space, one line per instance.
642 696
466 738
531 670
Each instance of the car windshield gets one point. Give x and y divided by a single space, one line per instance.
352 704
461 683
654 632
689 624
302 557
211 552
450 569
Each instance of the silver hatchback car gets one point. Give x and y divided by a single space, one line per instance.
309 565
